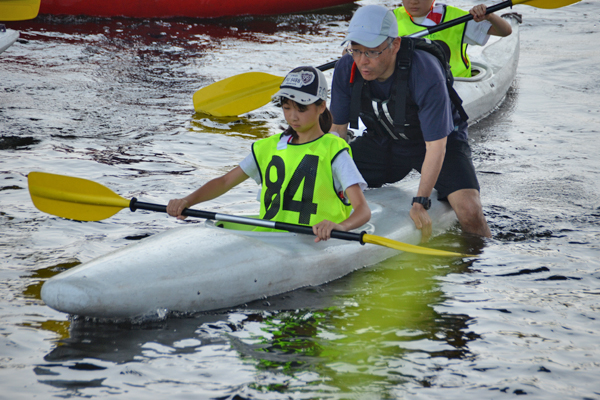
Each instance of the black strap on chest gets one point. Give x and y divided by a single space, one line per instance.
355 98
403 65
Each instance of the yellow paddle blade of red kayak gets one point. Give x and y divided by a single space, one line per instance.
236 95
382 241
18 10
73 198
547 4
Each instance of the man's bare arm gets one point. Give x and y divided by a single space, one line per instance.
341 130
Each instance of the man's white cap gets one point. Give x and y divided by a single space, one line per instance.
371 25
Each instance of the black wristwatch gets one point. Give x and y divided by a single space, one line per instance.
424 201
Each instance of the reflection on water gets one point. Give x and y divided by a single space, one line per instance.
126 342
389 327
41 275
17 142
242 127
60 328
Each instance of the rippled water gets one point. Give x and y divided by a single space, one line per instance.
111 101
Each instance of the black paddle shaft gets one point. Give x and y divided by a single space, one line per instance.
134 204
327 66
466 18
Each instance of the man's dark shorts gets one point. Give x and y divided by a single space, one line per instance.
382 161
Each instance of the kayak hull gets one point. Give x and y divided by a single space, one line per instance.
202 267
181 8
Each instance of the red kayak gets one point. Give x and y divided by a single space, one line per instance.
181 8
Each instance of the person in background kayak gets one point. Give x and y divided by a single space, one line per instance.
417 15
428 134
307 176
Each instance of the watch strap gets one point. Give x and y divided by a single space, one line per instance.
424 201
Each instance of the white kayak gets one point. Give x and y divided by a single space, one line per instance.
203 267
496 65
7 38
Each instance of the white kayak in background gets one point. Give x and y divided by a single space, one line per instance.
7 37
203 267
496 67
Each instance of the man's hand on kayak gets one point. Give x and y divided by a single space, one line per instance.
422 221
176 207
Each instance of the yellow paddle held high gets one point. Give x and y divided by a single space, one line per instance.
242 93
84 200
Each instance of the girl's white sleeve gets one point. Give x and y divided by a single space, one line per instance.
345 173
248 165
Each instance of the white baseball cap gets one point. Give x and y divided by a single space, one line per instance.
304 85
372 25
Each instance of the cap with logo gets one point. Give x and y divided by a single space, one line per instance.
304 85
372 25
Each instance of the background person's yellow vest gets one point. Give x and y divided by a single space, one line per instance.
459 61
297 182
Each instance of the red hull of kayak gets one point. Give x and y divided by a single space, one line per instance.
181 8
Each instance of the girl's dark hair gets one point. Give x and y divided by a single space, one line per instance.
325 119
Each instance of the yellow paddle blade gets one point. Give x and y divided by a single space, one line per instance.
73 198
381 241
548 4
236 95
18 10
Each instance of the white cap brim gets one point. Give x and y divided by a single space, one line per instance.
368 40
295 95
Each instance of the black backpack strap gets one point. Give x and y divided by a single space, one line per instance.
403 63
457 101
441 50
355 98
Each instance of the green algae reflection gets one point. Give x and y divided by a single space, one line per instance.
382 333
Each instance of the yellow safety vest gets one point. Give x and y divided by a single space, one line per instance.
297 182
460 64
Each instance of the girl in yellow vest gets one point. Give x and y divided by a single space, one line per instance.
417 15
307 176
